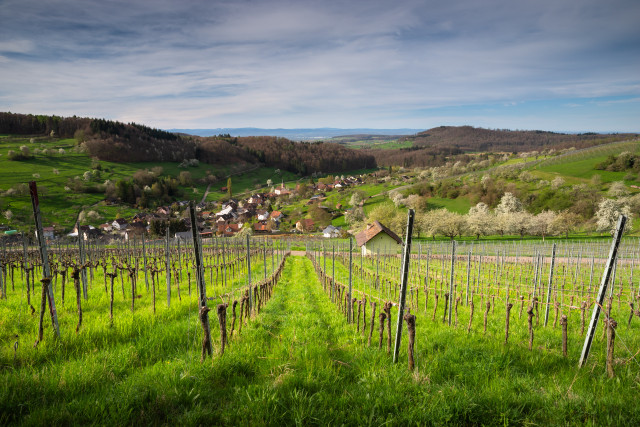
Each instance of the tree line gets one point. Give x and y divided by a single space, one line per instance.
131 142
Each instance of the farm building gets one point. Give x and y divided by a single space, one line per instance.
377 238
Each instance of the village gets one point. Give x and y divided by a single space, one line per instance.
252 215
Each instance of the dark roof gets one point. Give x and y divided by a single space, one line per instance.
372 231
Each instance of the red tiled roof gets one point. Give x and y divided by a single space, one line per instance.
372 231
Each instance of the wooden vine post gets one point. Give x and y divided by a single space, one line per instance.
613 252
350 305
452 280
249 275
83 272
202 289
553 261
46 268
167 250
406 257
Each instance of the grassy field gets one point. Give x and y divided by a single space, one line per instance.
297 362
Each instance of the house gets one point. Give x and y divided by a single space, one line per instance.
91 233
48 233
262 215
277 216
228 230
261 228
119 224
305 225
79 229
377 238
137 228
331 232
282 191
185 236
164 211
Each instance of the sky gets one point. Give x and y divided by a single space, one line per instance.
559 65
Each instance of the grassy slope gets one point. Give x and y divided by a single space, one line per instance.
298 362
61 207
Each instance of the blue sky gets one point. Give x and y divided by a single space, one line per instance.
545 64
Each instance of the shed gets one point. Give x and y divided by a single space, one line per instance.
377 238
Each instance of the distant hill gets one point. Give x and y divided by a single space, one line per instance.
434 146
296 134
130 142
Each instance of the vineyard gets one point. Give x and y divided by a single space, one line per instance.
492 333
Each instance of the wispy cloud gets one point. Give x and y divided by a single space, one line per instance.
277 63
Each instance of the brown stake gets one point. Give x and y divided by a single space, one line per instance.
456 311
446 304
364 315
382 318
206 340
506 326
233 317
411 327
563 323
630 314
583 307
611 328
387 310
486 315
43 307
530 320
222 320
373 321
555 321
113 276
435 307
76 285
521 306
470 315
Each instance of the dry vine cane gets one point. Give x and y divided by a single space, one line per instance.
373 320
411 327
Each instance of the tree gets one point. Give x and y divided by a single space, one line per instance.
519 222
508 204
607 215
356 198
185 179
320 216
480 221
565 222
542 224
354 215
446 223
618 189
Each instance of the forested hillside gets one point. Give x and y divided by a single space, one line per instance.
119 142
435 146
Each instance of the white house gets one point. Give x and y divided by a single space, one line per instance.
331 232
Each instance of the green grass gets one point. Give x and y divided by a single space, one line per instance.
460 205
297 362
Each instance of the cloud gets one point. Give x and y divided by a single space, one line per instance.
279 63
